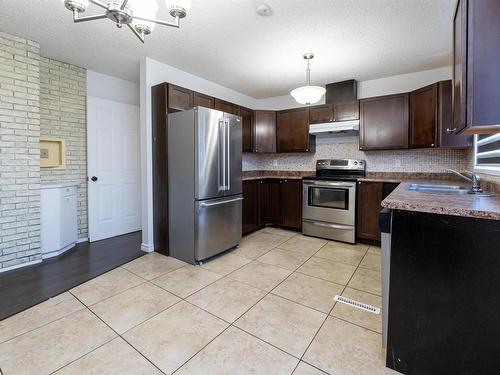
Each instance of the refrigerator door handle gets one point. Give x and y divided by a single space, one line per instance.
222 155
228 156
204 204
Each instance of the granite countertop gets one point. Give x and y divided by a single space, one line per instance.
468 205
257 175
398 177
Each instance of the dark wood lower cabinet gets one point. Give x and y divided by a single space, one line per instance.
269 202
443 295
291 204
272 202
251 212
369 204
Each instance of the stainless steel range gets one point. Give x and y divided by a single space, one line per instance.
329 199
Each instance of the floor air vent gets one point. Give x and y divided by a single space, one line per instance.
356 304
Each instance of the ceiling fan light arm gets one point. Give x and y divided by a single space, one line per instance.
77 19
99 4
175 23
137 34
124 4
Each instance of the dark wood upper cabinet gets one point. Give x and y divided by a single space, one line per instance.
227 107
476 58
291 204
446 134
203 100
424 117
250 215
383 123
247 118
430 118
292 131
264 131
346 111
320 114
179 98
339 111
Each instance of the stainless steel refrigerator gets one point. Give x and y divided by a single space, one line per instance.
204 183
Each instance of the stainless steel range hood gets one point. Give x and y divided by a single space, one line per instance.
335 127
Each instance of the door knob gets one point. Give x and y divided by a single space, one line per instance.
94 178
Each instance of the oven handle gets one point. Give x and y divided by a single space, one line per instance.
336 184
326 225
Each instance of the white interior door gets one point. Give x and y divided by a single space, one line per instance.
114 187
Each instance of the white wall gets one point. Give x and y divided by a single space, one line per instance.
375 87
402 82
111 88
153 72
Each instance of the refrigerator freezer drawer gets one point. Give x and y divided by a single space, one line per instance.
337 232
217 226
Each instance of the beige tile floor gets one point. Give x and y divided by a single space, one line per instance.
265 308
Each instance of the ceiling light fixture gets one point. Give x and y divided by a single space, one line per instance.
308 94
138 15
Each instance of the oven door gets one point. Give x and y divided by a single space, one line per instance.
329 201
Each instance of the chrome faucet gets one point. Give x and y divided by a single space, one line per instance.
474 178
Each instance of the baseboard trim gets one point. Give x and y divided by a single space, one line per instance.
83 239
33 262
147 247
51 254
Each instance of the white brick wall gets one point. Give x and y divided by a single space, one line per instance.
63 100
19 151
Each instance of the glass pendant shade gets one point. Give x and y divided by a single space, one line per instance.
79 5
146 9
177 5
308 94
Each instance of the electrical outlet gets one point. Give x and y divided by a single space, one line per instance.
397 163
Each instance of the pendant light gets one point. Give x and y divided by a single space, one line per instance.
308 94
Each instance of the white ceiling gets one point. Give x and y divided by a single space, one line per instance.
228 43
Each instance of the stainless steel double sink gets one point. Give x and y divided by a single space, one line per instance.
446 189
439 189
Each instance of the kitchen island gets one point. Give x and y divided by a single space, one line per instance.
444 283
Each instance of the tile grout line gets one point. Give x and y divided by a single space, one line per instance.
329 314
117 335
229 323
46 324
247 310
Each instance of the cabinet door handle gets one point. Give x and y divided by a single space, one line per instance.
451 130
94 178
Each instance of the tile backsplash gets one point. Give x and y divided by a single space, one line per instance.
339 146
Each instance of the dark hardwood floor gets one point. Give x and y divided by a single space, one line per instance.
28 286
